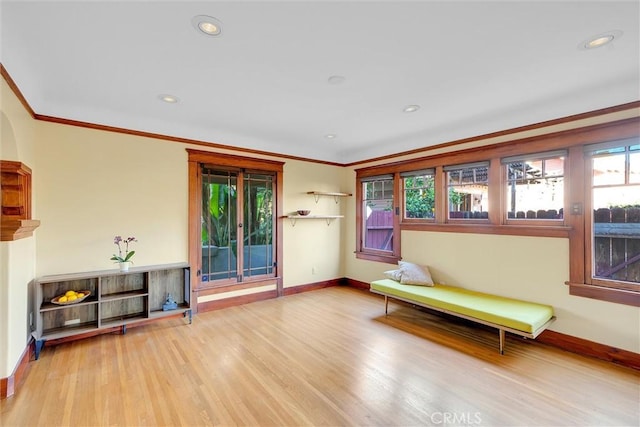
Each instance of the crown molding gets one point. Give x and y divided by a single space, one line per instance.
389 157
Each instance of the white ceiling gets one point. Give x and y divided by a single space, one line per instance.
474 67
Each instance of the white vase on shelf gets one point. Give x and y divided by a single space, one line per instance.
124 266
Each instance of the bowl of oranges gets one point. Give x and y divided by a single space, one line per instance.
71 297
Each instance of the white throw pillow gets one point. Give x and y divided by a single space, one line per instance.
414 274
393 275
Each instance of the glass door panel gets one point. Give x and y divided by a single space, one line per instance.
219 225
258 225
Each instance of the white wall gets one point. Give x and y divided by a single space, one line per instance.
312 248
94 185
17 258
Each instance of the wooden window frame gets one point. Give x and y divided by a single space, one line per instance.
403 198
575 225
531 221
593 287
373 254
445 195
196 159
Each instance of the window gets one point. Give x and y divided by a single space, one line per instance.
468 190
571 184
377 235
614 258
378 211
535 186
419 194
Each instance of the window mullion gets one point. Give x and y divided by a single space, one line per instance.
441 195
496 193
627 166
397 200
578 195
240 225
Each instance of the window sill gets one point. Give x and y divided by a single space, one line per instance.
511 230
389 259
618 296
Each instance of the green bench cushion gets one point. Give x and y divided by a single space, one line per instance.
521 315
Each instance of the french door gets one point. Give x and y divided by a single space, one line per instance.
238 224
235 228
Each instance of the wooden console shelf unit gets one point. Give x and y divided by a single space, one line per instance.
117 299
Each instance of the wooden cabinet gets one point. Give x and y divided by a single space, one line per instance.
15 201
117 299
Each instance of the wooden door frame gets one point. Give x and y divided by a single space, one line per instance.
196 158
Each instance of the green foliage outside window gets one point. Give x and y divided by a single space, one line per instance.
420 197
218 209
258 211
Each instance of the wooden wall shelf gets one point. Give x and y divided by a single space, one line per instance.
328 218
14 229
15 189
335 195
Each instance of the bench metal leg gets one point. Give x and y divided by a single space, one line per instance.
386 304
501 331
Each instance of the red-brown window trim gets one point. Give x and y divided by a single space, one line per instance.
619 296
506 230
372 254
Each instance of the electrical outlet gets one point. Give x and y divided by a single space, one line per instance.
314 270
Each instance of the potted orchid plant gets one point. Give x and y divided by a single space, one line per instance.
124 254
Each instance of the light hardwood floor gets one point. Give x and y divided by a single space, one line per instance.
327 357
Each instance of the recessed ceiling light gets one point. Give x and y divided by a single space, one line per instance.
207 25
331 136
169 99
411 108
600 40
336 80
